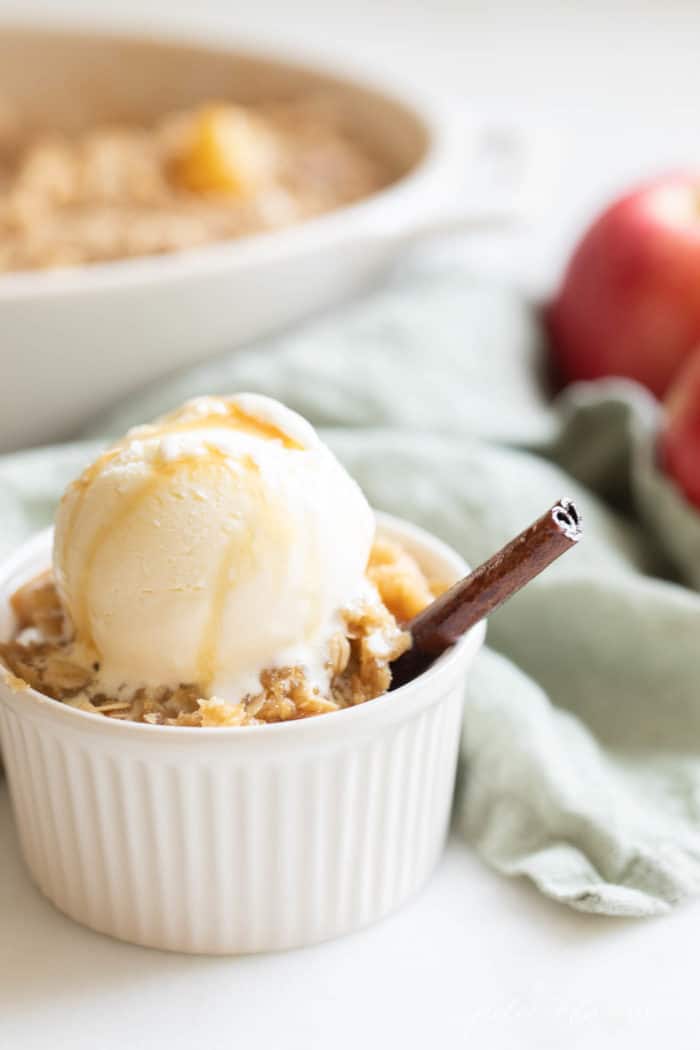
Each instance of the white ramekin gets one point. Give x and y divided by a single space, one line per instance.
244 839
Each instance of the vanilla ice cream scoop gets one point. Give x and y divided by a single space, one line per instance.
222 540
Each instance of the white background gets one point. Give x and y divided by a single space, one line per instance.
476 960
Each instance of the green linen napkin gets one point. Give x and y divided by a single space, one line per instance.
581 741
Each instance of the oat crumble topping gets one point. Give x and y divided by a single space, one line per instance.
208 174
43 655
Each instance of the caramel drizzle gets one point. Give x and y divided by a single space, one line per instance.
150 485
234 419
206 657
80 600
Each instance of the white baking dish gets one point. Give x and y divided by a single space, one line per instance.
244 839
75 340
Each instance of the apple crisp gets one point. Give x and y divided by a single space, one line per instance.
216 172
42 655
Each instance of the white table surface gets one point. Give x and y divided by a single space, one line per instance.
476 960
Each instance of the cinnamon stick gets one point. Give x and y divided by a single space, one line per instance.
451 615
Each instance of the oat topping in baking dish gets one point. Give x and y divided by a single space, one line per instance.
208 174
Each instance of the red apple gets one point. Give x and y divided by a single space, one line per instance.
680 438
630 301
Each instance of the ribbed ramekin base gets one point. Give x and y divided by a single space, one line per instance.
228 853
